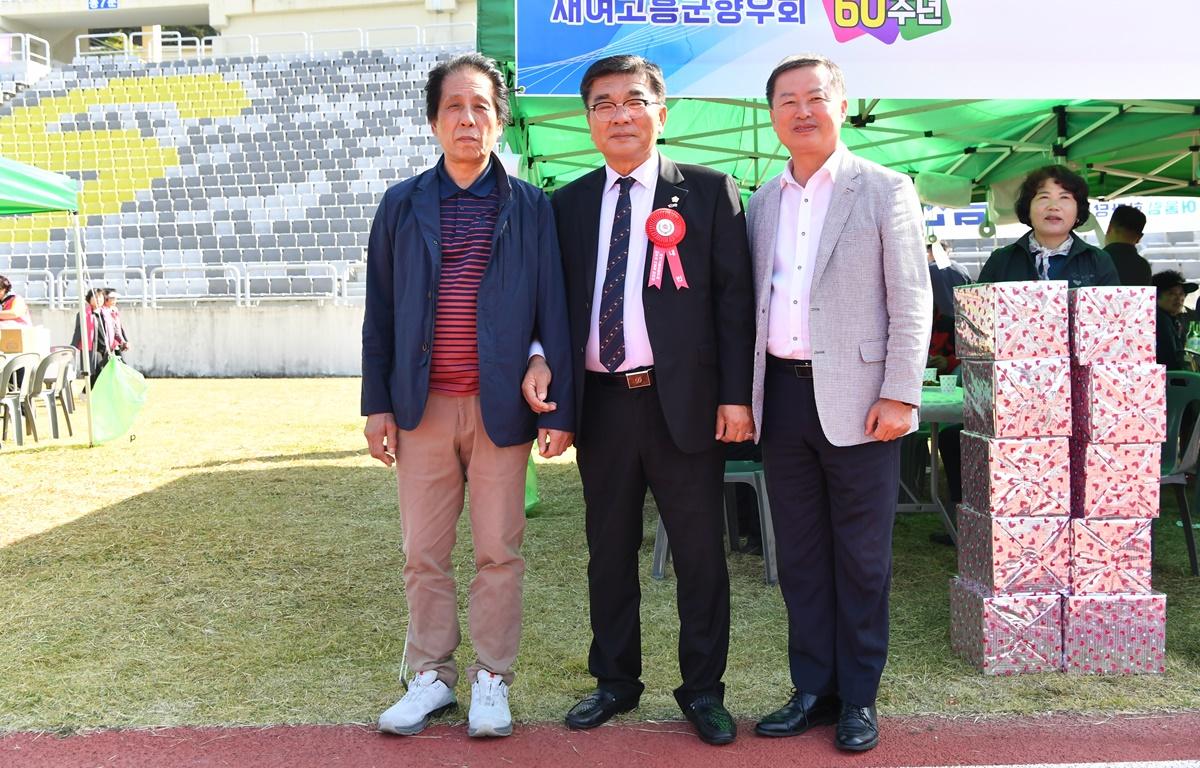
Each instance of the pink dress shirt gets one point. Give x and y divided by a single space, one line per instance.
802 212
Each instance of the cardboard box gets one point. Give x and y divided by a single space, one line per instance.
1016 477
1012 555
1008 634
1010 321
1117 480
1110 556
1113 324
1115 634
1017 398
28 338
1120 402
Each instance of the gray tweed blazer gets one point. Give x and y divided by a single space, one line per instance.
871 307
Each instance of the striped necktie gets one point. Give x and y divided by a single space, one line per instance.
612 299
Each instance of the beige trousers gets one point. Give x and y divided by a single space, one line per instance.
448 447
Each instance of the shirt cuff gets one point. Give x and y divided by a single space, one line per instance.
535 348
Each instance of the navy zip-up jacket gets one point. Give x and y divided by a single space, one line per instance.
521 296
1086 264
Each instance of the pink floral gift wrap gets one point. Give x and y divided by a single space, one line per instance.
1016 477
1112 324
1115 634
1007 634
1113 479
1110 556
1017 398
1009 555
1120 402
1010 321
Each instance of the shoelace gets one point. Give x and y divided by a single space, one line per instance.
489 691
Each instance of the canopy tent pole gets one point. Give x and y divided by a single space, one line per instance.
85 355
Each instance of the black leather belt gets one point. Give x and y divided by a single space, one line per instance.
801 369
637 379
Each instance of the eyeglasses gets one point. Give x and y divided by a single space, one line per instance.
607 110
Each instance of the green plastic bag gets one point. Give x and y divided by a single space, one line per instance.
531 489
117 399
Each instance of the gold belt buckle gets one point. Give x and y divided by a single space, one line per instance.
637 379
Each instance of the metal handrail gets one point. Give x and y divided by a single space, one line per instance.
302 35
25 51
398 28
52 293
362 38
449 25
226 270
100 275
217 45
258 270
126 48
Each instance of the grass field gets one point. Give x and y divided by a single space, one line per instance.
239 563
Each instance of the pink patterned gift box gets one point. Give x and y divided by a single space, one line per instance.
1005 635
1112 324
1110 556
1017 398
1115 634
1120 402
1113 479
1010 555
1010 321
1019 477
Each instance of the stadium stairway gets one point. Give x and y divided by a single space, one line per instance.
211 176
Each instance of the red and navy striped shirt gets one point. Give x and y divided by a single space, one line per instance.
468 221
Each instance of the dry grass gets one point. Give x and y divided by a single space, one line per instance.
239 562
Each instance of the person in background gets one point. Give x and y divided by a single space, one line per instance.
118 339
93 345
1125 228
942 356
1053 201
1171 331
13 309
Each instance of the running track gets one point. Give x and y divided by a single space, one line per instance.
1149 741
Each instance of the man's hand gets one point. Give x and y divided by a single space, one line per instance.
735 423
888 419
552 442
536 386
381 434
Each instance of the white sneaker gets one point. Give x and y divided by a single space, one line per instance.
427 697
489 715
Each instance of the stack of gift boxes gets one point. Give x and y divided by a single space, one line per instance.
1064 412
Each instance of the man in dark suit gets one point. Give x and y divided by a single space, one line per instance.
1125 228
657 363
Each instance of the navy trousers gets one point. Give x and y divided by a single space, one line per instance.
833 509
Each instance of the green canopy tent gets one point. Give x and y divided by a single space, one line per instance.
962 148
26 190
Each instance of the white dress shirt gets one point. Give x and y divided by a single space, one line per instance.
641 199
802 212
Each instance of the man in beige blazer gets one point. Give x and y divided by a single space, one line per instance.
843 308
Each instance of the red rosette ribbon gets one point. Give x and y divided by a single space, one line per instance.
666 229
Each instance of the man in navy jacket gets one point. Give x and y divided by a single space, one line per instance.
463 271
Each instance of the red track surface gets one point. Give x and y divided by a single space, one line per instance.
906 742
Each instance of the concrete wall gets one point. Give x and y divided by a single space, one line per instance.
284 339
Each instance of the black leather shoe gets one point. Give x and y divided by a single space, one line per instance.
712 721
597 708
803 711
857 728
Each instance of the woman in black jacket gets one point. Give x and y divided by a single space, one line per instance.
1052 201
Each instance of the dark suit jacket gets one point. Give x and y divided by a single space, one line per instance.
521 296
702 336
1131 267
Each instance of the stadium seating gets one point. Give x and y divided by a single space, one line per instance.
249 176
